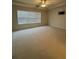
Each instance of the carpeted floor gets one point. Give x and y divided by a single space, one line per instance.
39 43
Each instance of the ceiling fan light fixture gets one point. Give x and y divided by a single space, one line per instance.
43 5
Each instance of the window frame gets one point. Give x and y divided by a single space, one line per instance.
29 11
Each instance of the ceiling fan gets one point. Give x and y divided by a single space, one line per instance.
42 3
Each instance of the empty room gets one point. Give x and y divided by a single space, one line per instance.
39 29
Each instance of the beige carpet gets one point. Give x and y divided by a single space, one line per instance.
39 43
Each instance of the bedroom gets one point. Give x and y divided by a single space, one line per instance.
39 32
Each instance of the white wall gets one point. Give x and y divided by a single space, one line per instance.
57 20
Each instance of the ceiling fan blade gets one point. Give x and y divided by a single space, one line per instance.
37 5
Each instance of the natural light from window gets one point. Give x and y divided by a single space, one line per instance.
28 17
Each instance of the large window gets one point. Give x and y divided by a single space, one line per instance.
28 17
